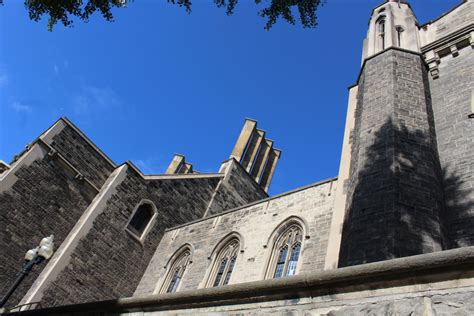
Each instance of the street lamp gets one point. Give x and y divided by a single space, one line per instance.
33 256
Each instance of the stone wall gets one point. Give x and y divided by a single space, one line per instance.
395 194
440 283
51 185
458 301
255 224
235 190
82 154
451 94
38 197
461 16
109 262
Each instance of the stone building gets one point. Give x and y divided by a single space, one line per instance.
392 234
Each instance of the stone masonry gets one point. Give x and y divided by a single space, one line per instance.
395 192
108 262
392 234
63 179
255 224
452 97
58 200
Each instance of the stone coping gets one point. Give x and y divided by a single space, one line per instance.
450 265
378 54
442 15
86 139
253 203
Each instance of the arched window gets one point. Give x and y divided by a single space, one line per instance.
224 263
399 30
380 24
141 219
176 271
286 252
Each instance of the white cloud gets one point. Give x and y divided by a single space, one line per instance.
103 97
148 166
95 99
21 108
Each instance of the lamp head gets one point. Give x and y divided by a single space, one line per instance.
46 247
31 254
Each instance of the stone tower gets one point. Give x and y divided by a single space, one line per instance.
394 198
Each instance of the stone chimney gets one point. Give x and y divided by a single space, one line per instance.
256 154
179 166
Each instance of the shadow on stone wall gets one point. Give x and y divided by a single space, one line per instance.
396 206
459 208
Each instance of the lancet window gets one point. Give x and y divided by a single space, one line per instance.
286 252
224 263
176 272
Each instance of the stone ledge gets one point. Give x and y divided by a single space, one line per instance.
445 265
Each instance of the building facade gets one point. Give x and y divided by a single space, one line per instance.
393 232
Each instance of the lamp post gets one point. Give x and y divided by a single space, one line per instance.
33 256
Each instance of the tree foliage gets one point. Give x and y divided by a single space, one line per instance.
64 10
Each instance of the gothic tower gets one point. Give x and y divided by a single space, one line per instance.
394 199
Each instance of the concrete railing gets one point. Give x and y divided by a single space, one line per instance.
446 265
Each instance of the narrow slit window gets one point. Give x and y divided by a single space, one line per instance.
399 30
381 32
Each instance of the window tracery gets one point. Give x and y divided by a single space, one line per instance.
176 272
286 252
224 264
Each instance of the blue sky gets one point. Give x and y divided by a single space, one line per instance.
158 81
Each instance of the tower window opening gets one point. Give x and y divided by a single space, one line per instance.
399 30
381 32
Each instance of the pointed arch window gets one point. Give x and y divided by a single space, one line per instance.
286 253
224 264
141 219
176 272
